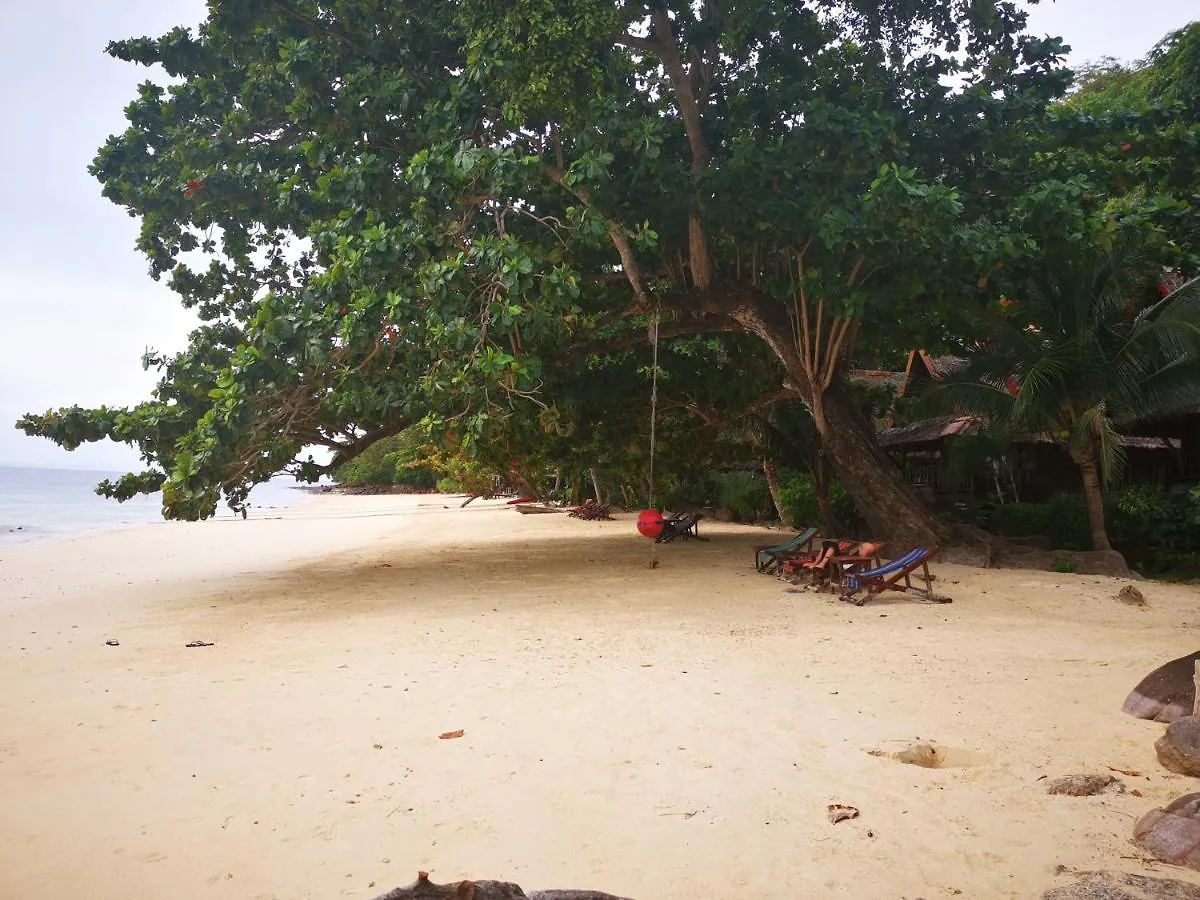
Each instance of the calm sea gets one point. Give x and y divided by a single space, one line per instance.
40 504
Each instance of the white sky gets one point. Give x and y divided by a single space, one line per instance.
76 305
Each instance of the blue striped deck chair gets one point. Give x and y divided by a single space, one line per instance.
768 558
889 576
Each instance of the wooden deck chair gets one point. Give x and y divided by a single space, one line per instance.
682 526
888 577
768 558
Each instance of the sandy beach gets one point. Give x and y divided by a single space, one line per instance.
664 734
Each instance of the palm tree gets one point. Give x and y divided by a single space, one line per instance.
1079 359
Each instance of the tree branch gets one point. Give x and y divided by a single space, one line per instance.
712 420
360 445
700 260
646 45
624 250
684 92
666 330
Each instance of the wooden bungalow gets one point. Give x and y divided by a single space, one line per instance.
1164 453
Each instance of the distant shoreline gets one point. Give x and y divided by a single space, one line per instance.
364 489
40 504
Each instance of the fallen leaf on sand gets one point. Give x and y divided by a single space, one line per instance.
839 813
450 735
1132 773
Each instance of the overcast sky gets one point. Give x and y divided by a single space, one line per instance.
76 305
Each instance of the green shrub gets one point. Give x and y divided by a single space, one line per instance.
1157 531
1063 518
1063 563
673 491
371 467
798 496
745 494
395 460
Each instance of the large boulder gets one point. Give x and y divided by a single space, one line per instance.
1179 749
1172 834
1167 693
1100 562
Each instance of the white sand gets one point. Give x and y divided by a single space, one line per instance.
663 734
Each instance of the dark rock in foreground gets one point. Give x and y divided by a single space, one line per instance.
424 889
1179 749
1118 886
1172 834
1167 693
1131 596
1085 785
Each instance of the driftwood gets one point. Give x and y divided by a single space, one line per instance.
526 509
592 511
424 889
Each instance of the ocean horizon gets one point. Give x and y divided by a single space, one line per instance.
45 503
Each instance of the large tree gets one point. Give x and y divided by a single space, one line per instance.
389 212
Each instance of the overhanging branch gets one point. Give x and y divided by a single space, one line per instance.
628 262
666 330
646 45
714 421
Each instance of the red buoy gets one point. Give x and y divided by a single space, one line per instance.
650 523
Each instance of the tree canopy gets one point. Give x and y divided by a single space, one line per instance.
467 215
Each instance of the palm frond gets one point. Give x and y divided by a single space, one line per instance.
1172 390
958 397
1042 385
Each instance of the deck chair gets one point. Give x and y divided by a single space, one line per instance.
799 563
681 526
768 558
888 577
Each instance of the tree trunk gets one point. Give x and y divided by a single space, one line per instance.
820 474
1094 495
886 503
518 482
771 470
890 508
595 485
